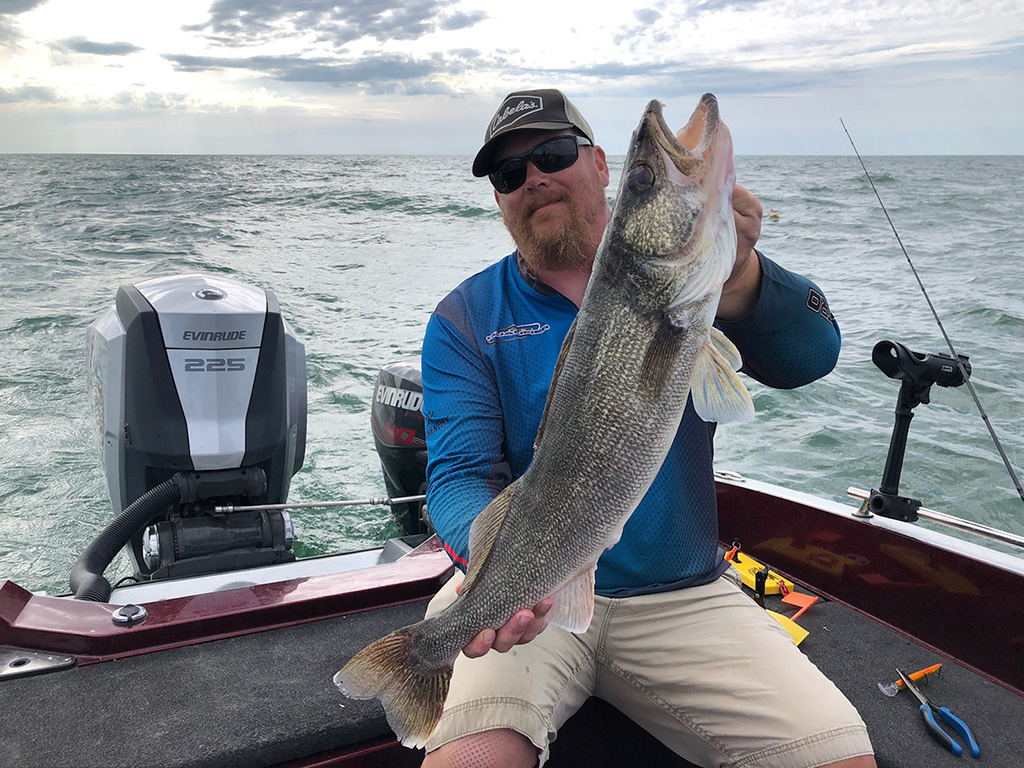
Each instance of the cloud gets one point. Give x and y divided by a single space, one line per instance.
81 45
721 5
15 7
679 78
249 22
150 101
647 15
462 20
367 61
381 73
28 93
10 32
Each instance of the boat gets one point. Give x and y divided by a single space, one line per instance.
220 650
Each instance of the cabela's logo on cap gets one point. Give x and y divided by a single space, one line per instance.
515 109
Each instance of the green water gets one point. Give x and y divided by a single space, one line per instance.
359 250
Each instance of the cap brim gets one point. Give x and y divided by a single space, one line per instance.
483 163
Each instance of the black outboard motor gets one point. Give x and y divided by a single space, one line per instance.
398 433
198 386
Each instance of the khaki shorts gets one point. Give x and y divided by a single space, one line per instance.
703 669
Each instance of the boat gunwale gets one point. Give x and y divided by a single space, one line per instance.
903 576
86 630
776 525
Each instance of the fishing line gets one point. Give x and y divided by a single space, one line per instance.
938 320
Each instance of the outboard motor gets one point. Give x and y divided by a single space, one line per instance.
198 386
396 417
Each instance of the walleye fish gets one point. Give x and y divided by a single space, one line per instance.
642 340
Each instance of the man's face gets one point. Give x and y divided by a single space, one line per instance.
556 219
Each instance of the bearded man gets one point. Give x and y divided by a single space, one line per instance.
673 637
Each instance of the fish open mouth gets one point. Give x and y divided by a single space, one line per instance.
685 149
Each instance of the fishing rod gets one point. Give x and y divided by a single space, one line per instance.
938 320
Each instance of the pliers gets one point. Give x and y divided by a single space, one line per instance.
928 713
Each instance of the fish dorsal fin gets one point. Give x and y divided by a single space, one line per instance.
573 604
562 353
718 393
483 533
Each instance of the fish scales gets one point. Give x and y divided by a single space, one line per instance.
642 340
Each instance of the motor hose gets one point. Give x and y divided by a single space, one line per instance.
87 580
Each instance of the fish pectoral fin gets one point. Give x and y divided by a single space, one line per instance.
726 349
484 531
573 606
661 356
718 393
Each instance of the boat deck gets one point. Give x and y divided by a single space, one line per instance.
856 653
259 699
266 699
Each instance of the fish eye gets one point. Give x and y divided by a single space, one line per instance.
640 179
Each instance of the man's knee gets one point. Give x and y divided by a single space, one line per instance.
502 748
864 761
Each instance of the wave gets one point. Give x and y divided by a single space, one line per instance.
359 250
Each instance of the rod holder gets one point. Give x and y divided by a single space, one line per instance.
917 373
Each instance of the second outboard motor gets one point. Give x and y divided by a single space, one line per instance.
198 386
396 417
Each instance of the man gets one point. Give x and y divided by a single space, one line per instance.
673 638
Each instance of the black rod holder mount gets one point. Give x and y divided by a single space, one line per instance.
916 372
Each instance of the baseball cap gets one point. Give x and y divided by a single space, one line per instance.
540 109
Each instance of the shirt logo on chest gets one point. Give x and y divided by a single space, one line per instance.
514 332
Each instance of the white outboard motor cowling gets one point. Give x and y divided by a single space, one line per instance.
200 377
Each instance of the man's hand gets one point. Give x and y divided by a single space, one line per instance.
743 288
523 627
747 211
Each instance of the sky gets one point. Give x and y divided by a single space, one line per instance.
425 76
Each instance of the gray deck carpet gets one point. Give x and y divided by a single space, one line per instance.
266 699
255 700
856 654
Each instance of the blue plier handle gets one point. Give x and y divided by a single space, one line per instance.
928 713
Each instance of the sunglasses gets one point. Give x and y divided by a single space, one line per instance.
549 156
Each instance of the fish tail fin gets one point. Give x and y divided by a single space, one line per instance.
389 669
718 393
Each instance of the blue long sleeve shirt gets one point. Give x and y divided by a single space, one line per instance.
488 356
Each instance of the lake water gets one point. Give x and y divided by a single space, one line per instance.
359 250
